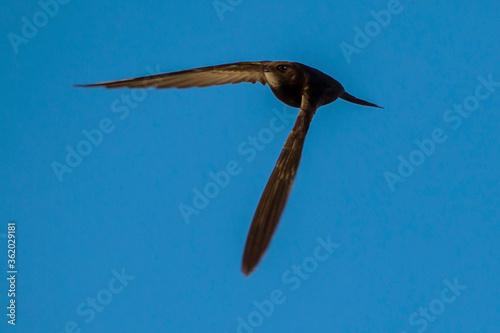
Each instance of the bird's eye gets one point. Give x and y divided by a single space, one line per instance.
282 68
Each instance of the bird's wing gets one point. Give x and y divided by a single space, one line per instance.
279 185
198 77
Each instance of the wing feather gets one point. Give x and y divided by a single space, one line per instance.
199 77
275 195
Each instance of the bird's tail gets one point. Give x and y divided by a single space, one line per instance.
346 97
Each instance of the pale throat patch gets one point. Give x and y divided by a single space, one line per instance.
271 79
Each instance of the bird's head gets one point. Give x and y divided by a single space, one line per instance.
279 73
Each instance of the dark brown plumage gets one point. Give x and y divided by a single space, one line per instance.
294 84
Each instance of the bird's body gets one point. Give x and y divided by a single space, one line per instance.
289 88
294 84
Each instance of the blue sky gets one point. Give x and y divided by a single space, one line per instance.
393 221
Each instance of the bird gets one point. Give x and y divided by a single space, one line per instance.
295 84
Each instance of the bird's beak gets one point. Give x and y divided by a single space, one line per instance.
267 69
